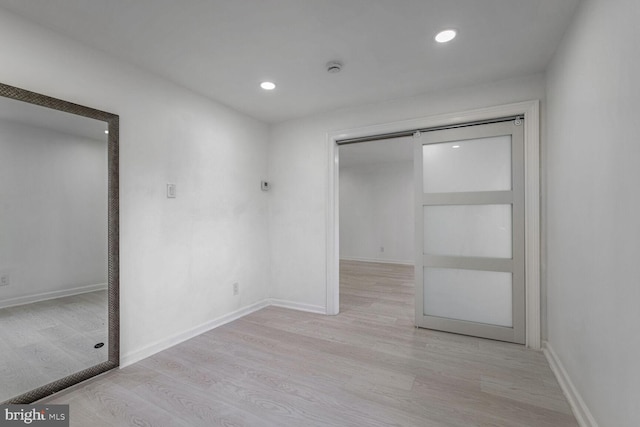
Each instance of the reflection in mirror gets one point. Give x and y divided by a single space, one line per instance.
58 244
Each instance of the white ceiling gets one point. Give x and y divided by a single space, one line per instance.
49 119
225 48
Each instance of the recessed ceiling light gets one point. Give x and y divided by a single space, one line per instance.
445 36
456 146
268 85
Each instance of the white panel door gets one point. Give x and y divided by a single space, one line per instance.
470 231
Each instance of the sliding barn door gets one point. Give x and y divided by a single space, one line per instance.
470 230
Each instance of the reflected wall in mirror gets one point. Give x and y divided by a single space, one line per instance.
58 244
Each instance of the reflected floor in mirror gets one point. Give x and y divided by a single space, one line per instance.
367 366
45 341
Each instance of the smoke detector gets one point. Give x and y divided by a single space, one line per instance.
334 66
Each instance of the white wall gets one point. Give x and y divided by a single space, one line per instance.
376 210
298 169
179 257
593 211
53 188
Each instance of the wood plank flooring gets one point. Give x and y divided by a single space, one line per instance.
48 340
367 366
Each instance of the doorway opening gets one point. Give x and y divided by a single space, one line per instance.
377 231
526 110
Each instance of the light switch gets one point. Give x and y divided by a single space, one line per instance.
171 191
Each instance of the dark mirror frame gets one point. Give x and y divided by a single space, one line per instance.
113 271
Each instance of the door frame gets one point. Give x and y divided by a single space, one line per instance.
531 112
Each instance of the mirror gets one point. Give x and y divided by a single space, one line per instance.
59 262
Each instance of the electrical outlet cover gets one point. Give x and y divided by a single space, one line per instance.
171 191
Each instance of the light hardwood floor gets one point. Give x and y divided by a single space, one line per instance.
48 340
367 366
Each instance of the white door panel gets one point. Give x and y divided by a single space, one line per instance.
470 231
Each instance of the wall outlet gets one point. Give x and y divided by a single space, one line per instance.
171 191
5 279
381 248
236 288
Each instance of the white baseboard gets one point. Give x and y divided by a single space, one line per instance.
163 344
578 406
381 261
44 296
297 306
151 349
